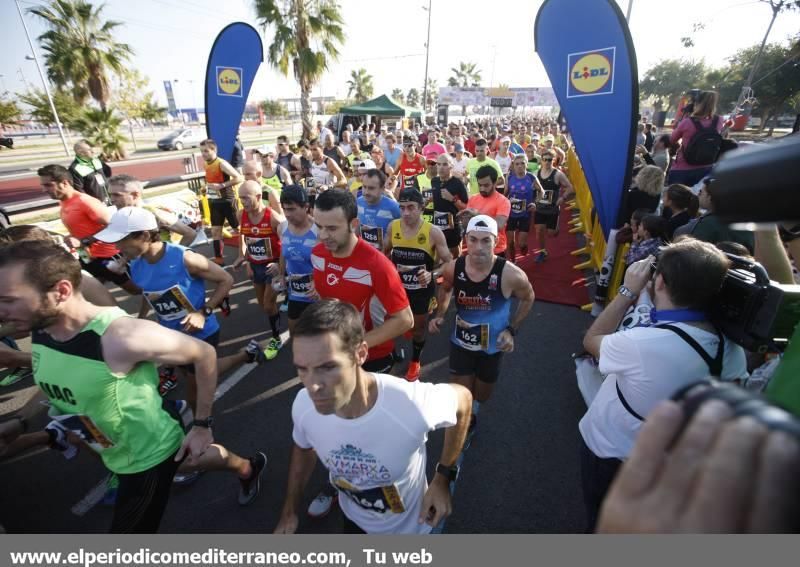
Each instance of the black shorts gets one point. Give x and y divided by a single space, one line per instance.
549 220
296 308
420 300
485 367
522 224
213 340
97 267
380 365
222 210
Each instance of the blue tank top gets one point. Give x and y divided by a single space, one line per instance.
296 252
171 290
375 220
482 311
520 193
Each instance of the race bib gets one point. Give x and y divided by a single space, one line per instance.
409 275
85 427
547 198
170 305
427 196
212 193
471 337
259 249
518 205
373 235
443 221
408 182
381 499
301 285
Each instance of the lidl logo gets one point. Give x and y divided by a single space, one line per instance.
229 81
591 72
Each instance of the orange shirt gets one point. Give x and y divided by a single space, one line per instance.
84 216
494 206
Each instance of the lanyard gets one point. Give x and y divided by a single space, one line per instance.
677 315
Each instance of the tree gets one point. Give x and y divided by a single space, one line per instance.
336 106
9 111
360 85
132 97
412 98
466 75
80 48
300 26
273 108
432 96
671 78
40 111
101 127
397 94
152 113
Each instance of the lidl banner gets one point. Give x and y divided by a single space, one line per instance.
232 65
587 51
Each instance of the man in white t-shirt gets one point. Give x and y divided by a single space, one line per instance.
646 365
369 430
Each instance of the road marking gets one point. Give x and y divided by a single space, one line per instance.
240 373
92 498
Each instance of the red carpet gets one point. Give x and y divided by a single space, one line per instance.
552 279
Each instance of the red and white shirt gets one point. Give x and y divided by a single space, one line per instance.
367 280
262 243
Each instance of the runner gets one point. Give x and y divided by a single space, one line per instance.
110 392
298 236
286 159
84 216
331 150
253 170
376 210
221 178
423 181
357 422
533 158
449 199
324 170
484 285
503 158
481 159
491 203
349 269
411 164
273 175
548 207
173 281
126 191
523 188
260 248
418 249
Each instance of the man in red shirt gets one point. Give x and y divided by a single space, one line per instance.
84 216
491 203
349 269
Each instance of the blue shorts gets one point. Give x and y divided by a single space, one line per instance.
260 275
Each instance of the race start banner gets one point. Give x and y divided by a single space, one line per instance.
587 51
232 65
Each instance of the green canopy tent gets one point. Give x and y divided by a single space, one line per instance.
381 106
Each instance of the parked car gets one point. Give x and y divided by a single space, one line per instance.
7 142
182 138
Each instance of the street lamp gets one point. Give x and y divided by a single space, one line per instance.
44 82
427 53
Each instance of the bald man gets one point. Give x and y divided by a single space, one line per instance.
254 171
89 173
126 191
260 251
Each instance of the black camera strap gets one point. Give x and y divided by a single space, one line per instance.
714 364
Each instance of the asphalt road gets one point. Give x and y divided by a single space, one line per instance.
521 474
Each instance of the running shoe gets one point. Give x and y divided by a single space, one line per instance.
166 380
322 504
225 306
275 344
541 256
186 479
255 353
251 486
16 375
412 374
112 487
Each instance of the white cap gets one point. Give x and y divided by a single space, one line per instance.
266 149
366 164
482 223
125 221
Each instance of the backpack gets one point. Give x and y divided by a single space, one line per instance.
705 145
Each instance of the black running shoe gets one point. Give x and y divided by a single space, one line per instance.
251 486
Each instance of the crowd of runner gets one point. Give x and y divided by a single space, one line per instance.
360 241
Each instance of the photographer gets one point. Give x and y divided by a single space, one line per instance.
645 365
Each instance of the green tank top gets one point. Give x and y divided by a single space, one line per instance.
163 233
120 414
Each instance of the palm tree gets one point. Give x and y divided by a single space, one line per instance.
360 85
433 94
467 75
397 94
412 99
300 26
80 48
102 129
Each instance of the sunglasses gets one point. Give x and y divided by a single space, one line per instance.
431 162
547 159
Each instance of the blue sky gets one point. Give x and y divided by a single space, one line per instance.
171 39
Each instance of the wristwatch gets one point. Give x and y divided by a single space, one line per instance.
207 422
625 292
450 473
207 311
